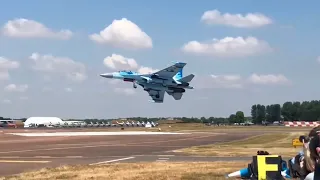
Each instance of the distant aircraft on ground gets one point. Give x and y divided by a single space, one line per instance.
168 80
7 123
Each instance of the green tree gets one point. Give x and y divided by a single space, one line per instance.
286 111
276 112
261 115
254 113
269 113
239 117
232 118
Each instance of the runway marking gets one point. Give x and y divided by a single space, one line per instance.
73 156
169 155
114 160
106 145
42 156
11 157
164 158
21 161
95 133
161 160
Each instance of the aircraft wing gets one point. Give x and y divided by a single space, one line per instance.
170 71
156 95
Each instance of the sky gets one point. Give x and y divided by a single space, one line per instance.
242 53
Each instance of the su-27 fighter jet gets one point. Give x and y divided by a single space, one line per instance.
168 80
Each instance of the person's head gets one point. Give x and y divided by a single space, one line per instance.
307 161
312 148
314 131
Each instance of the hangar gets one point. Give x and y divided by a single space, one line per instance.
42 121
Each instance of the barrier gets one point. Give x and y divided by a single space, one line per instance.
301 124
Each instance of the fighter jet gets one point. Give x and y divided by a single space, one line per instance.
168 80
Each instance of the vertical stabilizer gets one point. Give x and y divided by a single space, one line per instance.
178 76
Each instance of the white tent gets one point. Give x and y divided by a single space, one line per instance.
45 121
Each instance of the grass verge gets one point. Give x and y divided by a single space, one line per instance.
141 171
275 143
190 127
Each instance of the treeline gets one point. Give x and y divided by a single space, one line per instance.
6 118
260 114
215 120
289 111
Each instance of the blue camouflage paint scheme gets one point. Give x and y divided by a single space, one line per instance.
168 80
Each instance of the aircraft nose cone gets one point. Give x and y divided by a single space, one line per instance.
106 75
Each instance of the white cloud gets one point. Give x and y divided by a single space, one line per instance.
268 79
16 88
68 89
48 63
126 91
238 82
6 101
250 20
226 81
5 66
125 34
146 70
25 28
119 62
228 47
218 81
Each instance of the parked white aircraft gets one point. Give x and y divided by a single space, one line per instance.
154 124
148 124
121 124
128 123
95 124
107 124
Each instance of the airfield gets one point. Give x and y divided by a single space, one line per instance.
23 150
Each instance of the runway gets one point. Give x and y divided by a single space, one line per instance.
20 153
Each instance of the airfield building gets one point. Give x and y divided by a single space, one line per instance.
42 121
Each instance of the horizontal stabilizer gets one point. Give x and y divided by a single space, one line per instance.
187 78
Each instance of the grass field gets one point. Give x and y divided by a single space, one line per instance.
141 171
275 143
202 127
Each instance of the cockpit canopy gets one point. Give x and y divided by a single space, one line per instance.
126 72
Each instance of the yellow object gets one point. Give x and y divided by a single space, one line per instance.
263 167
296 142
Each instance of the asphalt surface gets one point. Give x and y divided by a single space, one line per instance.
19 154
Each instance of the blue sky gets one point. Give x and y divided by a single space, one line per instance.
284 58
